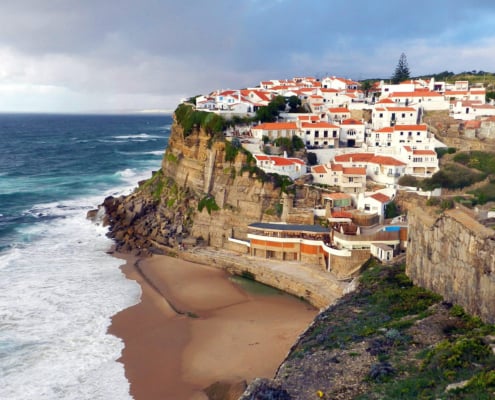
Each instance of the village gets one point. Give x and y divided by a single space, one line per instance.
358 144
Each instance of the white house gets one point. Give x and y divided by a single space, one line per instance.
385 170
373 203
274 130
381 251
291 167
421 98
393 115
338 114
421 163
468 110
379 168
332 82
352 132
320 134
347 179
397 136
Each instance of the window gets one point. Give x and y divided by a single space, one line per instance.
308 132
317 133
403 115
325 133
381 115
351 179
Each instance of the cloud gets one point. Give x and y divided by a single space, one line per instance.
149 54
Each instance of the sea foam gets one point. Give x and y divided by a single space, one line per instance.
57 295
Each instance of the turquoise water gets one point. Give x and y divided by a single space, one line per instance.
391 228
58 287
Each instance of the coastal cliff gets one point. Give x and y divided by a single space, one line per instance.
368 343
205 192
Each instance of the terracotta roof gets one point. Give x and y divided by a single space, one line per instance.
351 121
424 152
401 109
337 196
456 92
355 171
336 167
338 110
279 160
472 124
408 148
416 93
387 129
380 197
358 157
341 214
386 101
308 117
276 126
319 169
321 124
386 160
422 127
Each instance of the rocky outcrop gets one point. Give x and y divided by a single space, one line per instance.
453 255
197 196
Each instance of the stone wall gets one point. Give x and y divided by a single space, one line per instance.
453 255
346 267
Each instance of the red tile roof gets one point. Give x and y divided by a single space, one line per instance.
341 214
472 124
319 125
319 169
351 121
276 126
422 127
424 152
386 160
380 197
354 171
336 196
339 110
387 129
363 157
416 93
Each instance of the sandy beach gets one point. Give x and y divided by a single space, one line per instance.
194 327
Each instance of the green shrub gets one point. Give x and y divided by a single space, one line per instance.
209 202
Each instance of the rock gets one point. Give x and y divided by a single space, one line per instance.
265 389
225 390
91 214
457 385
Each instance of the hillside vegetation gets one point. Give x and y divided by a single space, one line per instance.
392 340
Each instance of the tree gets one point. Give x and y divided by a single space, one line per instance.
294 103
401 71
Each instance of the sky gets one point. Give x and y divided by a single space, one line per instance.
79 56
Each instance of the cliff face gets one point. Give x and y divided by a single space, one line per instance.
163 211
453 255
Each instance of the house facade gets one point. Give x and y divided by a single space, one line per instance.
320 134
352 133
291 167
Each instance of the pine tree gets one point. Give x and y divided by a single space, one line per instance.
401 71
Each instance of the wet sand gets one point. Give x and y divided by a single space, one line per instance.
194 326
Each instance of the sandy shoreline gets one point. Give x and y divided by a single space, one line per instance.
223 333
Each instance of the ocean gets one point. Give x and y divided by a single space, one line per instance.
58 286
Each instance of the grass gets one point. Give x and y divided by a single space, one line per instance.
381 314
